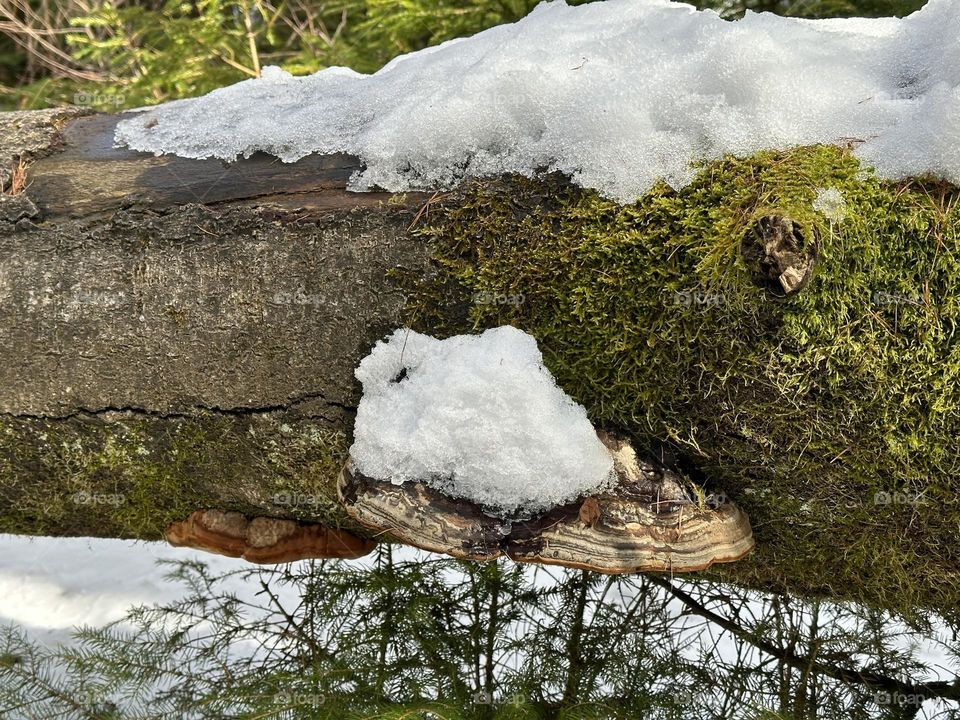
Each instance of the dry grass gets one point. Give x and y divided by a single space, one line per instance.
41 29
18 178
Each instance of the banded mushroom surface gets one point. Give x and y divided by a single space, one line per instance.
646 522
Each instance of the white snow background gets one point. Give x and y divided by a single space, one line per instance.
617 94
49 585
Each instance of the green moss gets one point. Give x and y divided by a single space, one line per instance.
133 475
801 410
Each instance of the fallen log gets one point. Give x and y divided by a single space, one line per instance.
178 335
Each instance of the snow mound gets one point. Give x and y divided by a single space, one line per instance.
476 417
615 94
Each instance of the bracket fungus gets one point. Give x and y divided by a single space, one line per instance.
263 540
646 522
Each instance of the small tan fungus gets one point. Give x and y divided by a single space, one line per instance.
264 540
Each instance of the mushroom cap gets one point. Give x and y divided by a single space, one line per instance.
629 537
264 540
418 515
646 523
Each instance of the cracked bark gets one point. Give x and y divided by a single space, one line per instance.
140 295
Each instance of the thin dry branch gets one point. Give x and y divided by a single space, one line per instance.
33 33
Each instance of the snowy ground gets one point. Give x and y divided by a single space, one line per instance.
49 585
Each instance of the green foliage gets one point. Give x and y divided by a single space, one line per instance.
430 637
822 415
150 52
183 49
178 50
387 28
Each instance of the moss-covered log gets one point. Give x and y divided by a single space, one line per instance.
163 352
830 415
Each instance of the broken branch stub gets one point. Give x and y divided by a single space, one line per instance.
647 522
778 255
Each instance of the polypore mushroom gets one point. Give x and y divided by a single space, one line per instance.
646 522
263 540
467 446
420 516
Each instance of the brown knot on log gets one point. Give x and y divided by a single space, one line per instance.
778 255
263 540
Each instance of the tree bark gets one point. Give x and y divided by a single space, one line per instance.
190 321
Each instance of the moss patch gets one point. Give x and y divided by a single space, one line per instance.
831 416
130 475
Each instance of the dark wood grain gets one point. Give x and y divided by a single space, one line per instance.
90 175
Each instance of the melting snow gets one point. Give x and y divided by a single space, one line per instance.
830 203
616 94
